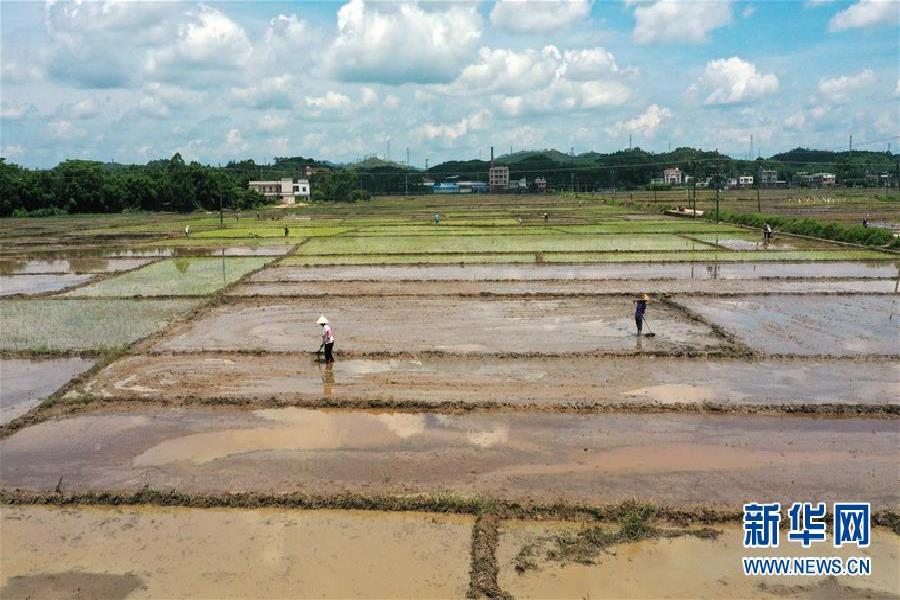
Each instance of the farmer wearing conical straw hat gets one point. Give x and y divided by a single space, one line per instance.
327 339
639 309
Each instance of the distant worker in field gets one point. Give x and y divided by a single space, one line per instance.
767 232
286 231
187 231
640 307
437 218
546 217
865 223
327 339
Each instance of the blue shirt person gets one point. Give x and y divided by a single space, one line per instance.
639 310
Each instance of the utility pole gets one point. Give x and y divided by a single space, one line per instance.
758 183
694 182
406 175
221 216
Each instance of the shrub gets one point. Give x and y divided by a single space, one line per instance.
854 234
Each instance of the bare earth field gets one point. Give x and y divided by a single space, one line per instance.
493 427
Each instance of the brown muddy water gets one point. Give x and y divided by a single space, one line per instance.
38 284
810 324
25 382
543 381
152 552
655 287
405 324
682 567
888 269
675 460
69 265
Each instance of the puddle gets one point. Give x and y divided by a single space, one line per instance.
26 382
37 284
545 380
677 460
809 324
90 552
397 324
682 567
68 265
700 270
74 585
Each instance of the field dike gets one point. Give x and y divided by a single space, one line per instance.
40 412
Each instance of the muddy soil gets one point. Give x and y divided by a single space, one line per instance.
674 460
680 567
26 382
534 381
655 287
99 552
885 269
404 324
66 266
38 284
808 325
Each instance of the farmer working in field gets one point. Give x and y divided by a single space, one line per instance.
327 339
639 309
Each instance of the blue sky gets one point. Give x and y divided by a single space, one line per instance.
133 81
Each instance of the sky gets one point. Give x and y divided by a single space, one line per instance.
132 81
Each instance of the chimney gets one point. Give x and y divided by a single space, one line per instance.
492 156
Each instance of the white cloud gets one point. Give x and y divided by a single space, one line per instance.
391 102
866 13
733 80
12 152
837 89
368 96
508 71
17 112
330 101
564 96
477 122
795 121
86 108
584 65
19 71
748 11
235 141
645 123
272 122
64 130
288 40
269 92
538 16
401 43
280 145
674 21
208 45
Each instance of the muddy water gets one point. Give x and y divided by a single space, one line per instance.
656 286
37 284
683 567
64 252
679 460
66 265
404 324
887 269
552 381
26 382
150 552
834 325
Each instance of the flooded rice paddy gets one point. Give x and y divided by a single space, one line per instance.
487 366
678 460
25 382
406 325
685 566
151 552
834 325
545 381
